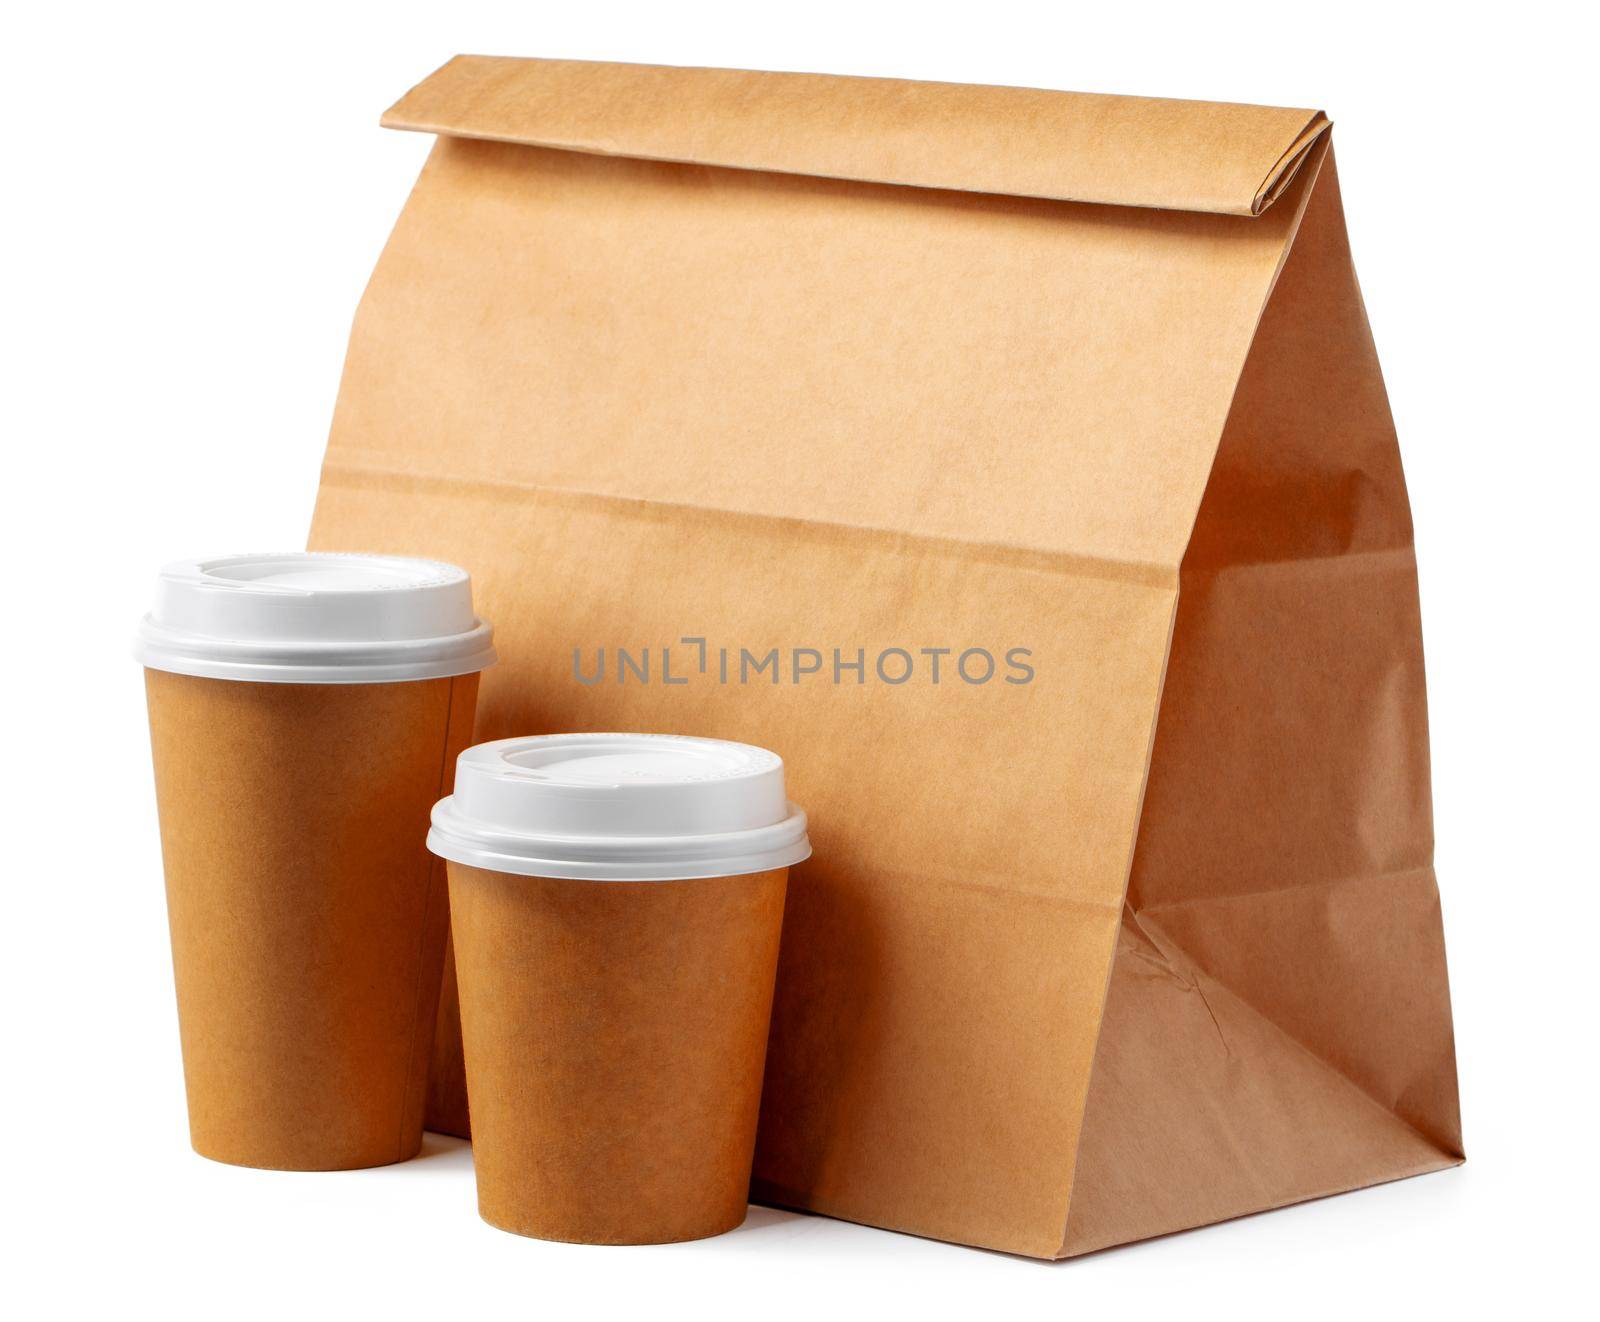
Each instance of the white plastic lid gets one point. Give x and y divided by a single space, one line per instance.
619 807
314 617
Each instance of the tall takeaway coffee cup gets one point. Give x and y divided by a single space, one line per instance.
616 901
305 713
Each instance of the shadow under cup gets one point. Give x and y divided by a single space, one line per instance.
616 903
308 918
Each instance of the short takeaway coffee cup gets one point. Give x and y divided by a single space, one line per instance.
616 902
306 711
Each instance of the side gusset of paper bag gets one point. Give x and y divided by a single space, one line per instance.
1278 1025
783 361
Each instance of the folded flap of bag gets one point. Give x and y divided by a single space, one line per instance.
1065 146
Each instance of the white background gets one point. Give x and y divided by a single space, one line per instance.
193 199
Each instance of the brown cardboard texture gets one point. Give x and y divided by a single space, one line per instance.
308 918
840 366
446 1111
615 1034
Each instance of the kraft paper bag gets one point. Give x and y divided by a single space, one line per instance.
752 399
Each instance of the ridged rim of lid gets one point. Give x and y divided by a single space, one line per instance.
619 807
314 617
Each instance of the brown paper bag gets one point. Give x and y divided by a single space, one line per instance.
750 398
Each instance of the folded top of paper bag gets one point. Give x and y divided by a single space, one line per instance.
1067 146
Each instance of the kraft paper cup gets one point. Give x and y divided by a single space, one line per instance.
305 712
616 902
